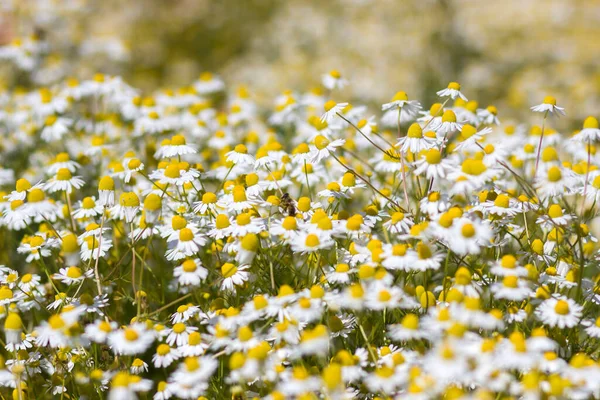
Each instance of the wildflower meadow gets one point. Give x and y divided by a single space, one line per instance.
197 241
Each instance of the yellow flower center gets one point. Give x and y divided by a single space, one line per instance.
163 349
511 282
555 211
209 198
178 222
448 116
186 234
454 86
106 183
239 194
410 321
433 156
473 167
74 272
129 199
63 174
312 240
152 202
172 171
88 203
400 96
329 105
243 219
321 142
189 266
423 251
384 296
562 307
228 270
550 100
590 123
36 241
554 174
222 221
194 338
415 131
468 230
502 200
22 185
179 328
131 335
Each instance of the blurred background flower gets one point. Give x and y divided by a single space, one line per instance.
509 53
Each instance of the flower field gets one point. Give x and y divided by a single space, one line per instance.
198 242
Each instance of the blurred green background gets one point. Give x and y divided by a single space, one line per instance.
509 53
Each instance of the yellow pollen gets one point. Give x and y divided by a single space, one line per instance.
410 321
415 131
163 349
312 240
321 142
511 282
502 200
74 272
131 335
63 174
329 105
88 203
590 123
209 198
508 261
433 156
106 183
186 234
243 219
228 270
400 96
189 266
468 230
129 199
562 307
554 174
448 116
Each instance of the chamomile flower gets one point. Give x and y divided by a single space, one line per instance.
55 128
415 141
333 80
590 132
174 147
469 236
452 91
190 273
311 242
511 288
88 208
233 276
560 312
188 244
433 165
164 356
448 124
332 109
549 106
408 329
322 147
72 275
401 101
63 181
131 340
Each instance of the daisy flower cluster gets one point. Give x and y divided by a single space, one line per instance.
189 244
